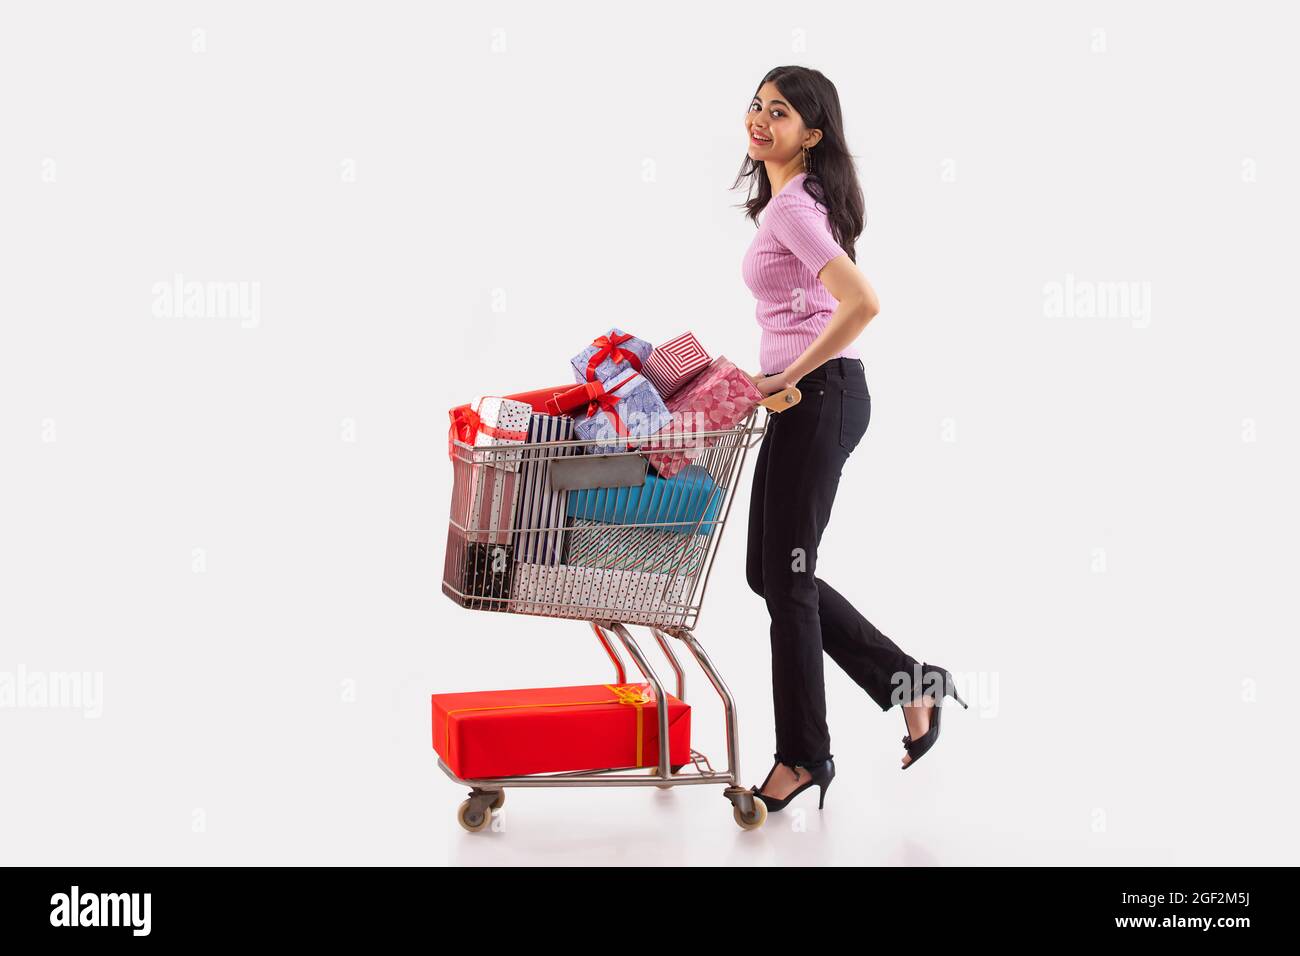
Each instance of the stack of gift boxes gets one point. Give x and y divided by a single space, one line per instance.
517 543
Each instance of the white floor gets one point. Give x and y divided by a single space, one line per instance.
357 783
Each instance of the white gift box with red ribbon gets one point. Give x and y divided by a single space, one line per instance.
501 421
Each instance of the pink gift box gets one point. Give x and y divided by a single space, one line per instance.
717 399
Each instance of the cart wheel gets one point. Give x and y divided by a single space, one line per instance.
473 826
751 822
501 798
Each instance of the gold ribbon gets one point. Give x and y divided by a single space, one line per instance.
636 695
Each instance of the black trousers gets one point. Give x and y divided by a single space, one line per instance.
795 479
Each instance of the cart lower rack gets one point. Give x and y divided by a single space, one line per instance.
564 528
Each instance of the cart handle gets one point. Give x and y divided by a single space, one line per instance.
776 402
780 401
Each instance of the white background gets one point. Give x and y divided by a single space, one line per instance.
1091 521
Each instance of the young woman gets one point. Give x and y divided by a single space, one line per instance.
813 303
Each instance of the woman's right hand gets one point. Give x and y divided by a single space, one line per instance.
769 384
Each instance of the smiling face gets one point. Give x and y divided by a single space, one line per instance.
775 131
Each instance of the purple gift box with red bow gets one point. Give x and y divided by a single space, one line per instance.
625 410
609 355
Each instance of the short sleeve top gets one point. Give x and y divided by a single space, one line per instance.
793 244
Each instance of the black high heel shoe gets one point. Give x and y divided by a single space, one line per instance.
916 749
822 774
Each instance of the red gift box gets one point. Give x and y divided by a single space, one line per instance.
571 399
506 733
464 420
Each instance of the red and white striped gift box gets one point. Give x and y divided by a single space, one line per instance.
675 363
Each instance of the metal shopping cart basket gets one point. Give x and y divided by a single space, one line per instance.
652 571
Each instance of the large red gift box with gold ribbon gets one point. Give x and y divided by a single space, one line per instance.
505 733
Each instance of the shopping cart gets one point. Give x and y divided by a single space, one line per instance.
659 585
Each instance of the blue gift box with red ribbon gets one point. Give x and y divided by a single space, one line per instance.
625 410
609 355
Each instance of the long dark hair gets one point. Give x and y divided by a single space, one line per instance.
832 179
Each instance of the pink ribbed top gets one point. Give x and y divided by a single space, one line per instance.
793 243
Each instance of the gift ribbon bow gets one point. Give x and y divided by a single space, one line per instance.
607 346
607 399
637 696
569 399
467 424
634 694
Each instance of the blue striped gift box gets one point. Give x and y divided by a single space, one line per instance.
690 497
539 506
